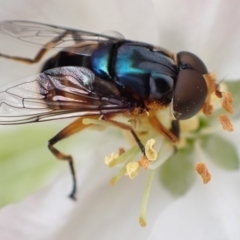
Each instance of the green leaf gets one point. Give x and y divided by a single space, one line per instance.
222 152
177 173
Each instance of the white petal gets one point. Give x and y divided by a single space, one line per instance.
210 29
206 212
101 211
135 20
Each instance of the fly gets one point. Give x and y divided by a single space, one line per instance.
101 76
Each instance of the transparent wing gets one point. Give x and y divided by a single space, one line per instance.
57 93
50 36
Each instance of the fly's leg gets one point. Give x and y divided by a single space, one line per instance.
71 129
128 128
41 52
175 128
171 134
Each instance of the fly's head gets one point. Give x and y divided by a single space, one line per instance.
193 87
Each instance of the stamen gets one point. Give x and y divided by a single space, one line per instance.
142 218
225 121
212 87
209 130
211 82
144 162
115 179
121 151
227 102
112 157
202 170
128 156
132 169
151 153
207 108
133 151
167 149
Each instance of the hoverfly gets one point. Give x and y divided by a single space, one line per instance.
96 75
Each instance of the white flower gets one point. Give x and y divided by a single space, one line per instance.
211 30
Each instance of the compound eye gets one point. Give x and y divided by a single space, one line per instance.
189 94
189 60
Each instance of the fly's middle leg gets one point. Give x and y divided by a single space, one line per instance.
128 128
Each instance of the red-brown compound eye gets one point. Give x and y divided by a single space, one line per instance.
189 94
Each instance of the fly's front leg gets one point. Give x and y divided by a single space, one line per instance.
71 129
128 128
175 128
41 52
172 134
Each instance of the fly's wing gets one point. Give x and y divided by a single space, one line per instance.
50 36
58 93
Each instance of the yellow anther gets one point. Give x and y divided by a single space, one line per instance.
151 153
110 158
132 169
142 222
113 181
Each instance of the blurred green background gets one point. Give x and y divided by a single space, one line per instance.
26 164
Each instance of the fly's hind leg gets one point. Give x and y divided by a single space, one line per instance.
71 129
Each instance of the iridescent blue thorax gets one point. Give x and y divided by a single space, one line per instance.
135 69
